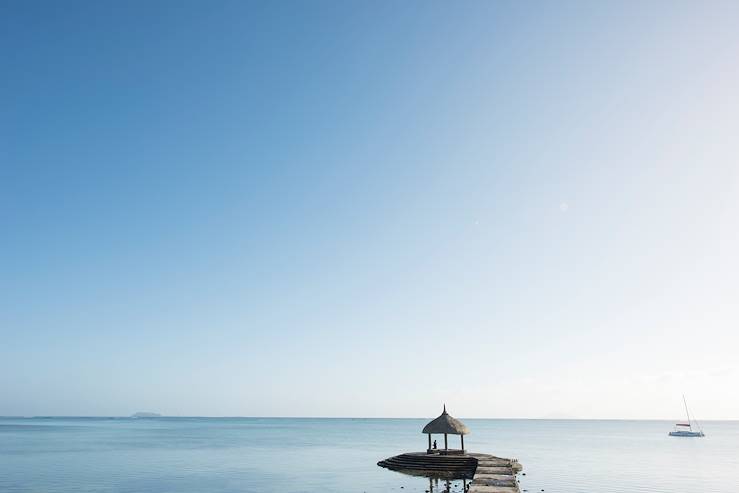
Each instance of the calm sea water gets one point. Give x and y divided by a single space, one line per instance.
340 455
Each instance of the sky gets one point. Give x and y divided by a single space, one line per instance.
519 209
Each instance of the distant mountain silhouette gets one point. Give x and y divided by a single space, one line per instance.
143 414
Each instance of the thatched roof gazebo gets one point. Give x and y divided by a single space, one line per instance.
446 425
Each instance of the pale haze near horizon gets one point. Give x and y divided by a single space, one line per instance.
317 209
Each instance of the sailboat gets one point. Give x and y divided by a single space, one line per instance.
686 429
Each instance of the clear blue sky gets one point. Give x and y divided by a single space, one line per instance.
369 208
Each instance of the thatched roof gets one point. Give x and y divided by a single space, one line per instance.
446 424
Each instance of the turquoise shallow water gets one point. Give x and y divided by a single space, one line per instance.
340 455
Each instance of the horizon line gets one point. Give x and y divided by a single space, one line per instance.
130 416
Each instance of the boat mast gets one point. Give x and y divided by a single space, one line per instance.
688 413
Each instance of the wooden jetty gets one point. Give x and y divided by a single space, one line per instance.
494 475
488 473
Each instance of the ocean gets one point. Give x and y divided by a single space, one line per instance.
55 455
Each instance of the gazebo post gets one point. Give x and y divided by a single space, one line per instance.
429 434
445 445
462 437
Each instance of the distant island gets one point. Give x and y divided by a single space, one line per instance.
142 414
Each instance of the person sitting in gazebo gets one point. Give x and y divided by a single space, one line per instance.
434 444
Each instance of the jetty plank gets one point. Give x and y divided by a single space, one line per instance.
498 477
493 489
494 470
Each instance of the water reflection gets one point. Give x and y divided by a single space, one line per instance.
439 485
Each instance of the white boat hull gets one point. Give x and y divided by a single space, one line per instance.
687 434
